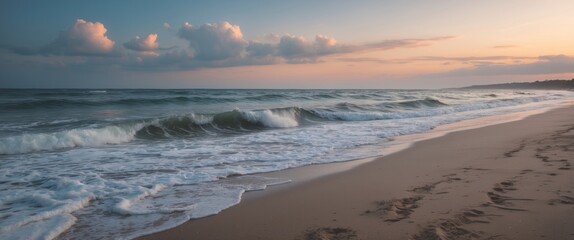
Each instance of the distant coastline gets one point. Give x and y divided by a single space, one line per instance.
547 85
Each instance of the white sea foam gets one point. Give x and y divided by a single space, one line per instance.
56 215
428 112
282 119
89 137
124 206
47 229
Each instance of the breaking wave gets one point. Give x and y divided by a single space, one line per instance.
26 143
237 121
227 122
175 126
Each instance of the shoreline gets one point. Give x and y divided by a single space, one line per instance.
302 174
304 198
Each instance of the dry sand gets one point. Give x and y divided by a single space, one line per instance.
506 181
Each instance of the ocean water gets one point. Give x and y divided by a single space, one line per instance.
115 164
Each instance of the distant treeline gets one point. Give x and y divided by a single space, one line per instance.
547 84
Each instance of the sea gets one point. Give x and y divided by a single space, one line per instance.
121 163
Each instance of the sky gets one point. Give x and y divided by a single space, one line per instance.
283 44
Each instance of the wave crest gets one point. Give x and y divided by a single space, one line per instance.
90 137
239 121
285 118
226 122
176 126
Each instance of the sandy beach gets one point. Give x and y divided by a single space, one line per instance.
507 181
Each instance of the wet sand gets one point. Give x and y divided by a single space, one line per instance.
507 181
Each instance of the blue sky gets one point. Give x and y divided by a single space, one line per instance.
283 44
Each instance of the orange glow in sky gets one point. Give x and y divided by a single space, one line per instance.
342 44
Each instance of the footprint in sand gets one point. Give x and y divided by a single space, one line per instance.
454 228
504 186
328 233
525 171
395 210
426 189
398 209
562 200
501 201
514 151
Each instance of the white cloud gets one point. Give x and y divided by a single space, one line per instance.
267 38
297 49
211 45
325 44
82 38
294 47
214 41
257 49
166 25
222 44
145 45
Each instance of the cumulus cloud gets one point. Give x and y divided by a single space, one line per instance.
294 47
325 44
209 45
146 45
82 38
298 49
257 49
214 41
224 43
178 59
268 38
